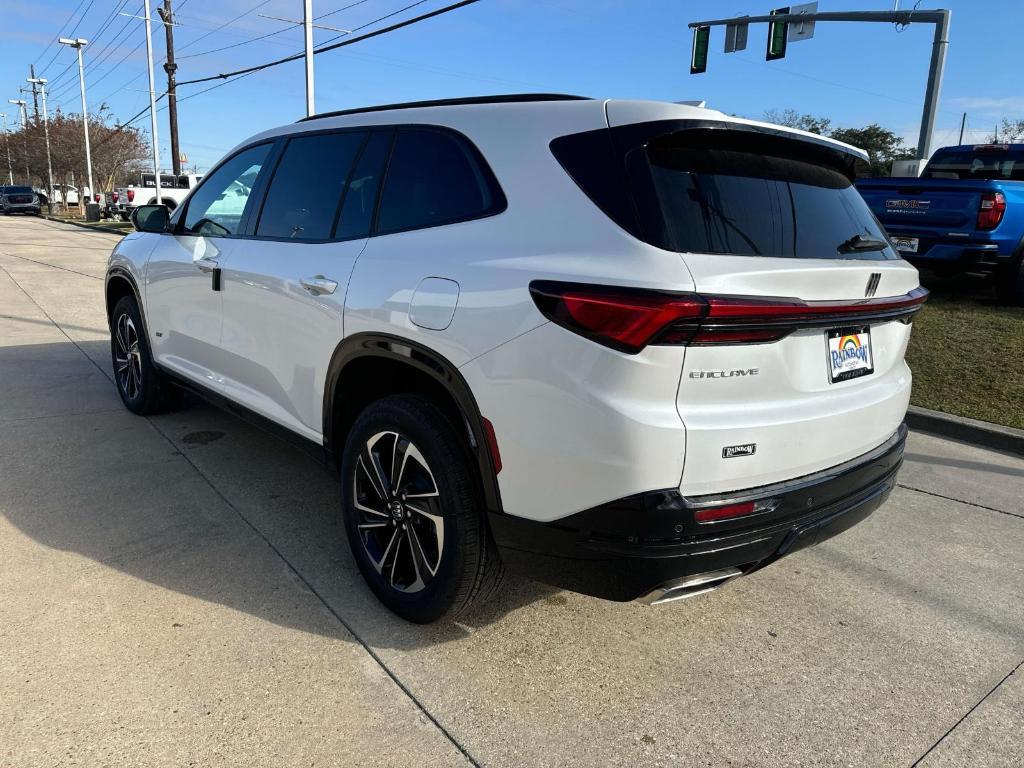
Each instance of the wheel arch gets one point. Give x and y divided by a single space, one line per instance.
120 283
368 366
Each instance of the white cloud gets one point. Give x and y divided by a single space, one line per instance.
996 105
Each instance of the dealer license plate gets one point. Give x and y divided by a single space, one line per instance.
849 353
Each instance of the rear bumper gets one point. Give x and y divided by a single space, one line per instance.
645 544
972 253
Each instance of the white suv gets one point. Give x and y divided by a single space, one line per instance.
633 349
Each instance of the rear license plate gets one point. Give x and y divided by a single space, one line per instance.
849 353
906 244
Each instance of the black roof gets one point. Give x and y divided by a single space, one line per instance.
504 98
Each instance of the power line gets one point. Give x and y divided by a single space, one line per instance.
70 34
57 36
343 43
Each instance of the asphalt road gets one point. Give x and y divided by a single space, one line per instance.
175 592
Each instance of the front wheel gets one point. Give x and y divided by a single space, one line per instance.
142 388
412 511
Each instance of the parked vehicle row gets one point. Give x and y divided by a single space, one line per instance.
965 213
633 349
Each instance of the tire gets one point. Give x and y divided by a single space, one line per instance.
142 388
422 542
1010 283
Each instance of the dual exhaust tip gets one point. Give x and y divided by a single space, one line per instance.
689 586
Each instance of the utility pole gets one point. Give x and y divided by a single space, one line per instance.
152 104
41 82
307 22
171 68
78 44
7 142
963 124
940 43
35 96
24 136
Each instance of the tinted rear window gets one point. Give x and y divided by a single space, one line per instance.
711 189
981 163
727 200
433 178
306 189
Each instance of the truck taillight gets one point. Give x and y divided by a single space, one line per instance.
991 210
96 198
114 196
131 195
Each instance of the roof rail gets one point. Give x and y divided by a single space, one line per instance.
504 98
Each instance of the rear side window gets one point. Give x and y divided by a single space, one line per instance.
724 199
995 162
434 178
307 186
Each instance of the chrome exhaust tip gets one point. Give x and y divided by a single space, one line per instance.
689 586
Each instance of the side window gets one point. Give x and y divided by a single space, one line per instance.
432 179
216 207
361 197
307 186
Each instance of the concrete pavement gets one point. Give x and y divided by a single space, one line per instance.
176 591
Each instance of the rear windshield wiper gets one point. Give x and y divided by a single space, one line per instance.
857 243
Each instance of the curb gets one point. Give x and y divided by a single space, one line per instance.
981 433
90 227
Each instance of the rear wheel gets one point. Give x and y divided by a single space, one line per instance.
412 511
142 388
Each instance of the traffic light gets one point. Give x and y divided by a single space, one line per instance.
699 57
777 34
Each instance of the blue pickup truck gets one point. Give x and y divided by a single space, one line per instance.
965 213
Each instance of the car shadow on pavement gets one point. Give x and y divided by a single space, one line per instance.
196 501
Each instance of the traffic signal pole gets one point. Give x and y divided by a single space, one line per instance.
940 44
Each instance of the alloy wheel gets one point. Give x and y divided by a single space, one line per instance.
398 512
127 357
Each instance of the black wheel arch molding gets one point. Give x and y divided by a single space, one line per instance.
400 350
117 272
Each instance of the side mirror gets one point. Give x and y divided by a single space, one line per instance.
151 218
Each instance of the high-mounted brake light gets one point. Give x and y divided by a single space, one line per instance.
991 210
629 319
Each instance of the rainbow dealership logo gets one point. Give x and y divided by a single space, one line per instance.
850 348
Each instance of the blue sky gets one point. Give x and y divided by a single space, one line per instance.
853 74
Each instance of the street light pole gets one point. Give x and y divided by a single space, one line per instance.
307 22
41 82
7 142
24 136
78 44
152 104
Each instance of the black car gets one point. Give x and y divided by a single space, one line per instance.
19 200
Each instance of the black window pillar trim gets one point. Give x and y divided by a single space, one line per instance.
402 350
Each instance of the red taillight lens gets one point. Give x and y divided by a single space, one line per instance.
114 196
991 210
628 319
131 195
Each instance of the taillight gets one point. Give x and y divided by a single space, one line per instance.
96 198
991 210
715 514
629 319
131 195
114 196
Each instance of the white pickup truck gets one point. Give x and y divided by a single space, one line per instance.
173 189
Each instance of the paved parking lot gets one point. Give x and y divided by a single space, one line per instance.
174 592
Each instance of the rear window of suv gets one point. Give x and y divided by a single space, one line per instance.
731 192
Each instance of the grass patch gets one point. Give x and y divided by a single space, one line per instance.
967 353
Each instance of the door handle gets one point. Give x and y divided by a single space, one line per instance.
206 265
319 284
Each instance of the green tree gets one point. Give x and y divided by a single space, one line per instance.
793 119
882 145
1010 131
